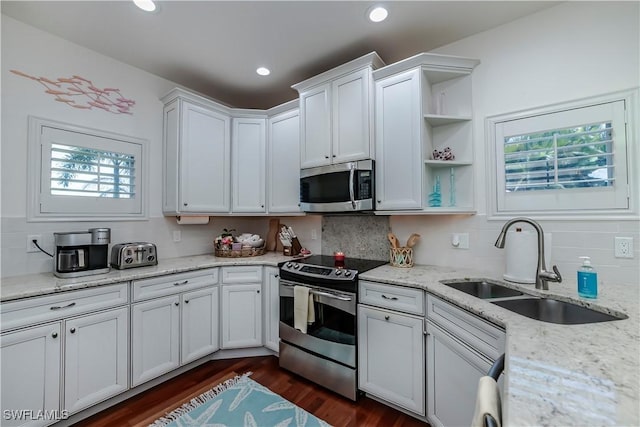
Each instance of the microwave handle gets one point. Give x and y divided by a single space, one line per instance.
352 175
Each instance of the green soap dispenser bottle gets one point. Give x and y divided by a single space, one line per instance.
587 279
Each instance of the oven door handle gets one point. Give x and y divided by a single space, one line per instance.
352 195
321 293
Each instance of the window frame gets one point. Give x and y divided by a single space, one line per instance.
46 207
494 209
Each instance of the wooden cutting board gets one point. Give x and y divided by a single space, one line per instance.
272 240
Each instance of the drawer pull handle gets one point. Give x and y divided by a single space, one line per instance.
54 335
181 283
58 307
72 330
390 298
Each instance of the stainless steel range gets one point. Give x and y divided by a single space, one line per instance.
326 353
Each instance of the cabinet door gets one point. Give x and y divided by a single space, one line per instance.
30 373
155 344
205 155
248 154
351 117
315 127
272 309
200 313
399 161
241 316
452 383
283 185
391 357
96 358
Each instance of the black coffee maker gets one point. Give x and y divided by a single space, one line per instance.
82 253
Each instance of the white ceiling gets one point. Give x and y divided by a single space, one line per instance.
214 47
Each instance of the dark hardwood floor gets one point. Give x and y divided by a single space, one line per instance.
146 407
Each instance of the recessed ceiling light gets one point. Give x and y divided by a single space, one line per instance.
146 5
378 14
263 71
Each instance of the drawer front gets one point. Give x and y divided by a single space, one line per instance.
173 284
43 309
485 337
242 274
408 300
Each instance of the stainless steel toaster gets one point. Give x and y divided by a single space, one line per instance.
134 254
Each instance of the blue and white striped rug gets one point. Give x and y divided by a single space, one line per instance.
239 402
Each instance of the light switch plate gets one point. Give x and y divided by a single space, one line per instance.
624 247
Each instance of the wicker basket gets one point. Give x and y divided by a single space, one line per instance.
401 257
240 253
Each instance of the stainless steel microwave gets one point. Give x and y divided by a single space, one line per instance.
341 187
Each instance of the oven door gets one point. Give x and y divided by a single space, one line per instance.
333 334
341 187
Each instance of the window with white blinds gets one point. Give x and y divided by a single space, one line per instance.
84 173
567 159
572 157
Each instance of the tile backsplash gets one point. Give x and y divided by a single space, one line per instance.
358 236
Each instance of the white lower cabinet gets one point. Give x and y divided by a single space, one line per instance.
199 324
271 309
155 347
174 321
391 357
241 315
461 347
30 373
454 370
96 358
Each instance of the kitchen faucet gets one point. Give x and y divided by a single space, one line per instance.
542 275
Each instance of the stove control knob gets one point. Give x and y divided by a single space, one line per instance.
289 265
297 266
347 273
338 272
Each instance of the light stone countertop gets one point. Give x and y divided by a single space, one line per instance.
12 288
557 375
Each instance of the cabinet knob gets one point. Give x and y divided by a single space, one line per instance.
186 204
258 291
72 330
386 317
276 276
334 155
176 303
262 206
54 335
186 301
379 201
326 157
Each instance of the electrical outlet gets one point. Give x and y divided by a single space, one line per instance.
314 234
624 247
460 240
30 246
177 236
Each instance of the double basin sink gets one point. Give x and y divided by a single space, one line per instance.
543 309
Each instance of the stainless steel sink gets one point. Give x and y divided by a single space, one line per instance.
483 290
554 311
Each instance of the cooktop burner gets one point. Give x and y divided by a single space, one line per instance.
324 270
357 264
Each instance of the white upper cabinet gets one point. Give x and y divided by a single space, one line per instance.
249 148
197 155
336 113
398 149
424 109
283 165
